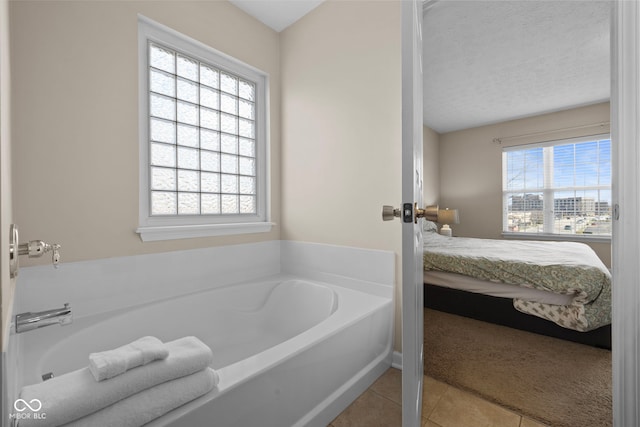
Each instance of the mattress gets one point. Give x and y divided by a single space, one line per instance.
501 290
566 268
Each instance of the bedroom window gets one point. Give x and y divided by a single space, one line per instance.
203 139
558 188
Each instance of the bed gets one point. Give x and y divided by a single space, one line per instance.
560 289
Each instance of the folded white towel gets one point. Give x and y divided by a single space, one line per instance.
108 364
149 404
77 394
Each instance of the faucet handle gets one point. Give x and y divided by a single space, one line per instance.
55 255
36 248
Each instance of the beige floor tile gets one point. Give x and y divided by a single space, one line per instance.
432 392
526 422
442 406
370 410
460 409
389 385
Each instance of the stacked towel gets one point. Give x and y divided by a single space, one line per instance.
77 394
152 403
109 364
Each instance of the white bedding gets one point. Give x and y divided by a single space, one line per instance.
486 287
565 268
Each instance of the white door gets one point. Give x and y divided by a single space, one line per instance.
412 207
412 264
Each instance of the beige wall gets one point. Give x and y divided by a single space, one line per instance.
75 121
75 116
471 167
341 109
74 109
431 166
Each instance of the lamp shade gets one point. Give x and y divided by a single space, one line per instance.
448 216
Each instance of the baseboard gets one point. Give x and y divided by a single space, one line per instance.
396 360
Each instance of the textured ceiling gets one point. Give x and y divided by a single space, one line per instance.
491 61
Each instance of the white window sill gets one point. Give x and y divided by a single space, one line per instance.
558 237
156 233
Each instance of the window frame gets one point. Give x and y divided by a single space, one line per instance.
548 190
168 227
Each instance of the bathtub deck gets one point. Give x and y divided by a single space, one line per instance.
442 406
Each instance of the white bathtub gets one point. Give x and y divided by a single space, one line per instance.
289 351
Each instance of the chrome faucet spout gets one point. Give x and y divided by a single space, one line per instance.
30 321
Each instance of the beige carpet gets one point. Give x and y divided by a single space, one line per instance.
559 383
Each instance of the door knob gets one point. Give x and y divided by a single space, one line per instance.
389 213
409 213
420 213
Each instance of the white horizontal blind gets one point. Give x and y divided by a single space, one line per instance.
558 187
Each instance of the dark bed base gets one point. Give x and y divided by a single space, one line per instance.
501 311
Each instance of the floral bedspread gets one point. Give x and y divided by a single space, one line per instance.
568 268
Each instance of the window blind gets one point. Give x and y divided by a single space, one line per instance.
558 187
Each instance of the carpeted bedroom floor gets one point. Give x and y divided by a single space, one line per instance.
559 383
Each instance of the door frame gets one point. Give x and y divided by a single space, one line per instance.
625 132
7 284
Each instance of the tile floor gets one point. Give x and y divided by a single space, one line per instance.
442 406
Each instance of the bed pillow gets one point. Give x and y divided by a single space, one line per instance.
429 227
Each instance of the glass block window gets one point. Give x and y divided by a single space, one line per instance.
201 137
558 188
203 143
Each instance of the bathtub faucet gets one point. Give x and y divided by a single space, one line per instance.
30 321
